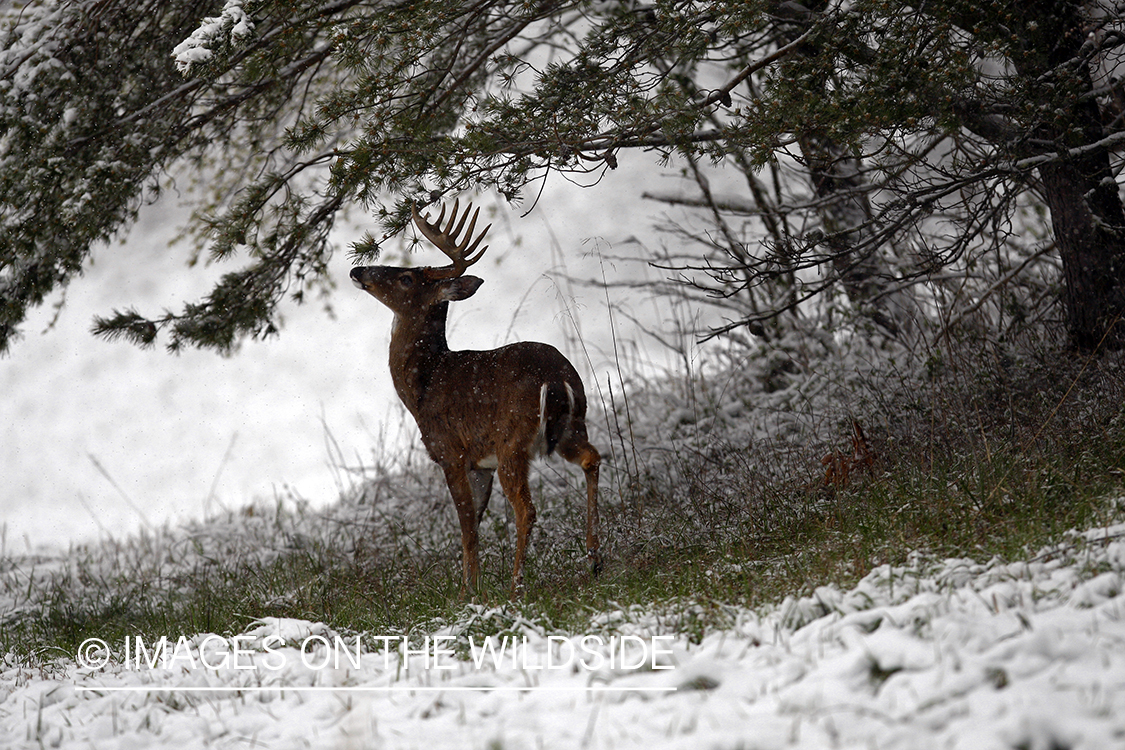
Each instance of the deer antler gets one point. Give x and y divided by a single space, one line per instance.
445 240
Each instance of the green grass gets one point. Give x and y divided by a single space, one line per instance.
999 463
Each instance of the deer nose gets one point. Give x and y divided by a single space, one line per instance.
355 276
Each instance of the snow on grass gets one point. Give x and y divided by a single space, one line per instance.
949 654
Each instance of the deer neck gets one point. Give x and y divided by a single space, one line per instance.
418 344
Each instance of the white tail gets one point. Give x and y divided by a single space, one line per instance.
480 412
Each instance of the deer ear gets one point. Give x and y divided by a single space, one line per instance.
461 287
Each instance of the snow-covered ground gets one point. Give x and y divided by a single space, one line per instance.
934 654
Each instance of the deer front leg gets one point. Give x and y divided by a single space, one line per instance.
513 480
579 451
591 463
457 477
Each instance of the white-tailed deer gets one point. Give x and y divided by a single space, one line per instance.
480 412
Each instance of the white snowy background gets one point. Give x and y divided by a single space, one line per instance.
101 438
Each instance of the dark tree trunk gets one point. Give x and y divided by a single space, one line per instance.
1087 219
1087 216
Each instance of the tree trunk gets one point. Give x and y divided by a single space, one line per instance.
845 212
1087 219
1087 216
837 177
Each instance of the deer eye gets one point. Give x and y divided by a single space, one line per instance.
406 280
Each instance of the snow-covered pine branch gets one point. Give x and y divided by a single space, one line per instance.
232 26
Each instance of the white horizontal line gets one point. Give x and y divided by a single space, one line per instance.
362 689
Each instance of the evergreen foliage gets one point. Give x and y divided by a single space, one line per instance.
292 110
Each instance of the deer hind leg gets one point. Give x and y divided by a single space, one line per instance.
513 480
578 450
461 488
481 482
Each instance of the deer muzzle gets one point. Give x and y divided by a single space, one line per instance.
367 277
357 276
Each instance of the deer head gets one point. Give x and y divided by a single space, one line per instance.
480 412
411 291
